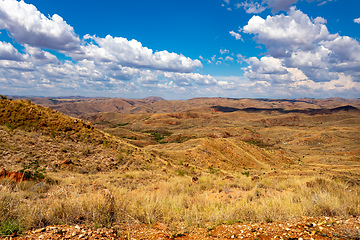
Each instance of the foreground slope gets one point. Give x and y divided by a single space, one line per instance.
31 132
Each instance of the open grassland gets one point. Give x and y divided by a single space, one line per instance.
203 167
146 197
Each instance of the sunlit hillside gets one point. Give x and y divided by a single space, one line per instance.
194 171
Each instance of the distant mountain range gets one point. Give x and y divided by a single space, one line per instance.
78 106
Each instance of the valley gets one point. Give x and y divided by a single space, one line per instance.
186 167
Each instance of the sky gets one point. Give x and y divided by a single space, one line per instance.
180 49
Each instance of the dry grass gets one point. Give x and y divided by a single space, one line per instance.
250 168
177 202
29 132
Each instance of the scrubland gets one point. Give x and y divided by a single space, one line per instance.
178 201
190 169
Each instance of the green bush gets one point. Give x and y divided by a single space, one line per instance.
33 171
11 228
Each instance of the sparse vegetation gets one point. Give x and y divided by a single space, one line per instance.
159 136
179 202
206 172
10 228
33 171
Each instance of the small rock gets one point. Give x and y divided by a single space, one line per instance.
39 230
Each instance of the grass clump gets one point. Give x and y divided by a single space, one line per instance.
11 228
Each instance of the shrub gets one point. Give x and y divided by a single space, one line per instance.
11 228
33 171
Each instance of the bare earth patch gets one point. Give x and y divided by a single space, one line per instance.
305 228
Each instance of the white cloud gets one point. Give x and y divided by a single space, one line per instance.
256 6
252 7
320 20
16 65
186 79
282 34
223 51
8 52
357 20
267 65
343 49
236 35
28 26
322 2
278 5
133 54
227 85
40 55
303 56
148 78
228 58
267 69
111 64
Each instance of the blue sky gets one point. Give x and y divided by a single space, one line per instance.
179 49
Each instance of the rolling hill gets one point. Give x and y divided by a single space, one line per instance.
190 168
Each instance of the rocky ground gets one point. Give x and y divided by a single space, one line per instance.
306 228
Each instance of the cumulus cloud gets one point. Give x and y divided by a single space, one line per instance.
302 52
28 26
282 34
133 54
38 54
227 85
187 79
111 64
257 6
357 20
228 58
8 52
267 65
237 36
